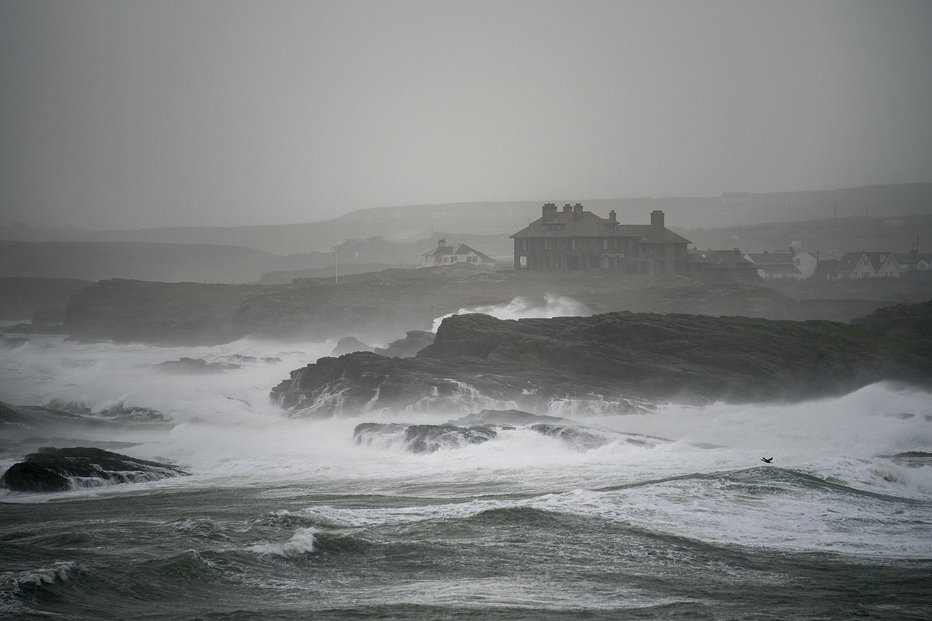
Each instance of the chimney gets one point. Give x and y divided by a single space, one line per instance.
613 217
567 208
549 211
441 243
577 211
656 219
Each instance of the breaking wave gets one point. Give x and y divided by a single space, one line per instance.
523 308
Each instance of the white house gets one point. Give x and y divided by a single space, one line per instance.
455 253
913 263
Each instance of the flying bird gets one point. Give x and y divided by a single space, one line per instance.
766 460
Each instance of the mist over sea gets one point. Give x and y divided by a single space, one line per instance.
286 517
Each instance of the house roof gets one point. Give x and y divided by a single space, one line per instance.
771 258
912 258
721 259
587 224
781 268
457 249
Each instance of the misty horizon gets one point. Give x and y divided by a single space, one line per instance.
125 115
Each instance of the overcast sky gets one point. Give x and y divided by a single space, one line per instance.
125 114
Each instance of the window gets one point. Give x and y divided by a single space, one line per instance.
573 244
522 260
604 244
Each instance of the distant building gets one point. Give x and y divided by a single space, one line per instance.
445 254
915 263
721 266
575 239
797 265
883 265
855 265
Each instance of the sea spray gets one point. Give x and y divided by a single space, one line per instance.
290 517
523 308
301 542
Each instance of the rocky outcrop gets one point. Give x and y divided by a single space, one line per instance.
621 357
422 438
413 342
349 344
54 469
464 432
903 322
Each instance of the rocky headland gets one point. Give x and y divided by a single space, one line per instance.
380 307
623 359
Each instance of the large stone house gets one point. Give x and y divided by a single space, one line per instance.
575 239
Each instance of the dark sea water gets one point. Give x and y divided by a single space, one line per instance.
288 518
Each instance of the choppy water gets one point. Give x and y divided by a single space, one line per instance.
287 518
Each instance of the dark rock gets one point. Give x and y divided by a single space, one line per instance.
499 418
578 438
54 469
903 322
620 357
422 438
415 341
349 344
31 477
363 381
429 438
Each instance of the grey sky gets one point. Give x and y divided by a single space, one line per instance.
124 114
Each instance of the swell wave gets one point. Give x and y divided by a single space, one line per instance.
17 586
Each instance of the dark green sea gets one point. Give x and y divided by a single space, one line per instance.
288 518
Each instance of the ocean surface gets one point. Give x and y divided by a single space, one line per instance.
288 518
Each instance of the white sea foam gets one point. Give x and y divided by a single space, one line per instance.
225 429
301 542
59 571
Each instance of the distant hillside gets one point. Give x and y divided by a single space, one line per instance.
142 261
894 234
415 222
